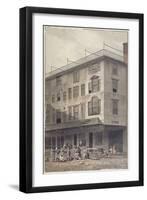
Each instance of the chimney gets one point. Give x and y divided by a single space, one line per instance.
125 52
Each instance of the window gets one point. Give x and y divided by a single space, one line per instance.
94 85
53 115
82 139
76 112
114 85
64 116
75 91
115 69
76 76
60 141
48 108
48 143
53 98
58 81
90 87
64 96
58 116
115 106
90 140
99 84
69 93
94 106
53 142
58 96
99 138
83 90
83 110
70 112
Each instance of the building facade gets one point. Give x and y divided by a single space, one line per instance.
86 103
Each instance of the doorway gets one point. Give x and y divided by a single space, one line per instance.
90 140
116 139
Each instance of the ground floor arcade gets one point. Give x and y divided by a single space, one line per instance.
93 136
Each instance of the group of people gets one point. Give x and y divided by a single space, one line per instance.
69 153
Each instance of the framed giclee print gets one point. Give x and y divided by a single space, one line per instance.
81 99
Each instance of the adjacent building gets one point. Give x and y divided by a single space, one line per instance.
86 102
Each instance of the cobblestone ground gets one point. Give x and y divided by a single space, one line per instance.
116 162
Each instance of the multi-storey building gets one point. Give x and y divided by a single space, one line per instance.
86 102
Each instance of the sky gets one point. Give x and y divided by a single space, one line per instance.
61 43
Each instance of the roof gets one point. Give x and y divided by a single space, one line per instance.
93 56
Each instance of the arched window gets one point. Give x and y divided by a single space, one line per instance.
94 106
94 85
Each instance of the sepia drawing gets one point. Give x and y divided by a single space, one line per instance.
85 98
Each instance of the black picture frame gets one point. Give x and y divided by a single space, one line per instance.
26 91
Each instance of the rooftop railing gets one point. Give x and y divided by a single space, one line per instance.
88 58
